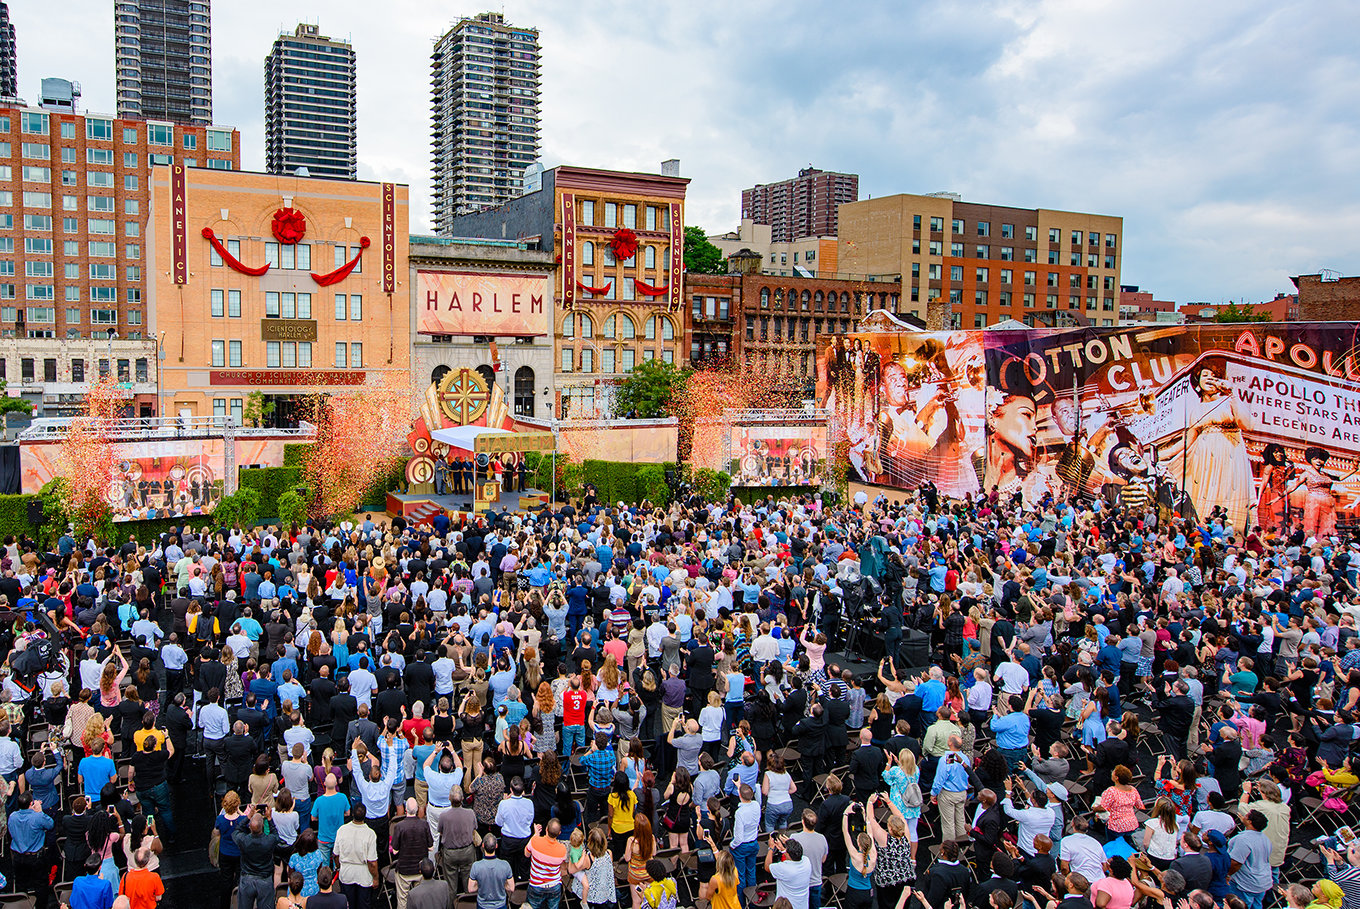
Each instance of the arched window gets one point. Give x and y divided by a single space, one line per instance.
438 374
607 331
488 375
587 253
627 330
845 302
764 298
779 298
649 257
660 326
569 326
817 301
587 328
524 392
805 299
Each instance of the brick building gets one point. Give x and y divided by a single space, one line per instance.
258 308
1328 297
771 323
987 263
802 206
609 314
74 202
1283 308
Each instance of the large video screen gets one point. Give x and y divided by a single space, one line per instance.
778 455
1258 424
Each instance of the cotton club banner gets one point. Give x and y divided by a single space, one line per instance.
1260 421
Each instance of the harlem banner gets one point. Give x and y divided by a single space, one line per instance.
1256 423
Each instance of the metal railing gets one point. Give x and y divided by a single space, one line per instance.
152 428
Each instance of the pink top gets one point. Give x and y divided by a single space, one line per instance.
816 652
1121 892
1120 806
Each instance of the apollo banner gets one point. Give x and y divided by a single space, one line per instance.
1257 423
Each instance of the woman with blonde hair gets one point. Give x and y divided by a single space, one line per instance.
96 736
598 889
904 791
111 683
721 890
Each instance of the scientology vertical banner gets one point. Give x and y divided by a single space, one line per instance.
1258 423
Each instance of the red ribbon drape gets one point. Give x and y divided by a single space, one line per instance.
231 260
343 271
595 291
651 290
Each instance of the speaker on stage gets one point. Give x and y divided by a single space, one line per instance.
914 651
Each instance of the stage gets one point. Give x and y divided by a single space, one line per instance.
419 507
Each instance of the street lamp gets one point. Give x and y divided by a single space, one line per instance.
160 339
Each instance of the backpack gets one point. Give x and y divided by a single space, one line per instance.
912 797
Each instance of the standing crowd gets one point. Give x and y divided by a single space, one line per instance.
1071 705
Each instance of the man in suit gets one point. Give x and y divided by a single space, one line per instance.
344 709
365 729
323 691
948 876
987 829
837 712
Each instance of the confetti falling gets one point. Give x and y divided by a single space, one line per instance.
360 439
87 455
709 392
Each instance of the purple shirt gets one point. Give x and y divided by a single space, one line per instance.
673 692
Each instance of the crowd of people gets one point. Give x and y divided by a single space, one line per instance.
639 707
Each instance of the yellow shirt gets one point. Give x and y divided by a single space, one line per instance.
622 819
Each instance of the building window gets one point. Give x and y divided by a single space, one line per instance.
234 353
566 359
524 392
219 353
356 307
587 253
649 255
356 356
1007 231
219 308
611 214
271 354
629 359
587 212
160 134
630 216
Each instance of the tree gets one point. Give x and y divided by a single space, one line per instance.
701 256
647 390
8 406
1245 313
256 409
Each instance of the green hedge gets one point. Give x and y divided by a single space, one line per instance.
14 515
623 481
270 483
294 453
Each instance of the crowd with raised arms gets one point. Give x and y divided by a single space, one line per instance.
1066 704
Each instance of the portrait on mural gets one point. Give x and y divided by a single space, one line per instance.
1250 425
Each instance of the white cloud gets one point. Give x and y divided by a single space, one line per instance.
1223 132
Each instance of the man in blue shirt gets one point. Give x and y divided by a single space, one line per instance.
329 812
950 790
90 891
28 827
1011 730
93 772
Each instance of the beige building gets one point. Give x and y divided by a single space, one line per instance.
55 375
979 264
283 285
807 257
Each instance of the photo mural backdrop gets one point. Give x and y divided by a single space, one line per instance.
1260 421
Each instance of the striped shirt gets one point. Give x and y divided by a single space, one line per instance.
546 857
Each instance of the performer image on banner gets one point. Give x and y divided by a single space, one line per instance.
1011 459
1212 450
1321 494
1277 475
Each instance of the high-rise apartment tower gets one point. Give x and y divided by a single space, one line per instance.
9 55
484 78
310 88
164 60
802 206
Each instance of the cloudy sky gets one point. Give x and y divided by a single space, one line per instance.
1224 132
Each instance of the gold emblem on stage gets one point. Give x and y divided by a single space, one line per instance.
463 395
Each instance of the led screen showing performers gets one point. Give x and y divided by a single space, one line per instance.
778 455
1255 424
